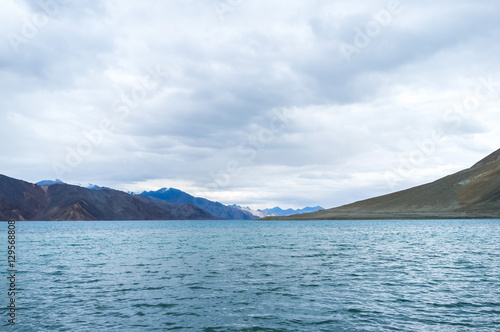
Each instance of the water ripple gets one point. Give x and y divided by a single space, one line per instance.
259 276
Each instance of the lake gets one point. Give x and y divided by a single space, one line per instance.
255 276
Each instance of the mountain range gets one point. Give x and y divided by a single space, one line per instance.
20 200
277 211
56 200
471 193
234 212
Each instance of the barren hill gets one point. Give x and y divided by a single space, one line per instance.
471 193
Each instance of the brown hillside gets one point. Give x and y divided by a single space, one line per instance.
471 193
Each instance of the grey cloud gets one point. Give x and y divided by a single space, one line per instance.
223 77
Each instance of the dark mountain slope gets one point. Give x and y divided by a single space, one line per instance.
214 208
179 211
77 203
21 200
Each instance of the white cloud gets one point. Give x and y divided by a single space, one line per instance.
221 74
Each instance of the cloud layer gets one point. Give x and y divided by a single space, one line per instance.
287 103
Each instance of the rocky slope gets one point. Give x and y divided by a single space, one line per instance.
471 193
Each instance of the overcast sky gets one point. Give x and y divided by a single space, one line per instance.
258 103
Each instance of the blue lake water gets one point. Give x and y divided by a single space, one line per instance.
255 276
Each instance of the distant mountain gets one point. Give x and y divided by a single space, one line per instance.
216 209
471 193
20 200
48 182
256 213
277 211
